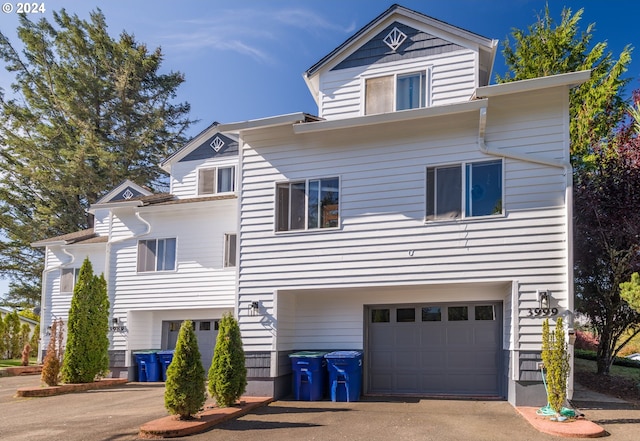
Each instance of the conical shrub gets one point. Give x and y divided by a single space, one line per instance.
228 374
185 391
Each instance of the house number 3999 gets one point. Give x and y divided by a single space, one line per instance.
543 311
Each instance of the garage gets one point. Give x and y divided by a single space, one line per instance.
435 349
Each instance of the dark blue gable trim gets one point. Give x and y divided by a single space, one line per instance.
126 194
229 147
417 44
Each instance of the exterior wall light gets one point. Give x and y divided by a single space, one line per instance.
254 308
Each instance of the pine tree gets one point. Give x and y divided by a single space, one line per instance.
549 48
556 364
85 112
35 341
228 375
185 391
3 339
86 355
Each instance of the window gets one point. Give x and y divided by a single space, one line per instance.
405 315
68 279
205 326
431 314
478 190
397 92
157 255
230 245
216 180
485 312
458 313
380 315
310 205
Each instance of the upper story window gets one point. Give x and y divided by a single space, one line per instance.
157 255
464 190
397 92
308 205
216 180
230 247
68 279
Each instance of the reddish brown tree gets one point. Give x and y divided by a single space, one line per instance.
607 240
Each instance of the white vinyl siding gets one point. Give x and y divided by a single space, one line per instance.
453 79
199 282
383 240
186 181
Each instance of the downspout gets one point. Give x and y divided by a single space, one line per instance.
568 173
43 295
107 263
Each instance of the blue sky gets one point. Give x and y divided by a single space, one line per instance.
244 59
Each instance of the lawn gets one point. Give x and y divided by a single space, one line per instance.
622 382
589 366
16 362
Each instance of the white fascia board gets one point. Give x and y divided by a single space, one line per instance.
571 79
112 205
272 121
391 117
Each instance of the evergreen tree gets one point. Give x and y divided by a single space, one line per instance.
35 341
546 48
185 391
556 363
12 329
85 112
3 339
228 375
87 349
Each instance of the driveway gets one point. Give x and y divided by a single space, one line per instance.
116 414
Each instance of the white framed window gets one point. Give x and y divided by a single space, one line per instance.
214 180
308 205
68 279
401 91
464 190
230 250
156 255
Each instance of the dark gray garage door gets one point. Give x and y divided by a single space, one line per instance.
450 349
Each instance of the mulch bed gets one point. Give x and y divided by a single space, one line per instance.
619 387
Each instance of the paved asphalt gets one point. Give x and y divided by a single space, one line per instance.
117 413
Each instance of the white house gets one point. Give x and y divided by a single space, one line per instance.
423 217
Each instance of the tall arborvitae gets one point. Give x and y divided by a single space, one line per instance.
556 364
228 374
185 391
86 354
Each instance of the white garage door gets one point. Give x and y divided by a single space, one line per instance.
438 349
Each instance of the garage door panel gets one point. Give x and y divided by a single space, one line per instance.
406 382
459 335
433 360
431 335
406 358
381 359
406 335
381 335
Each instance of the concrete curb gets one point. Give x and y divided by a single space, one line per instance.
48 391
172 427
579 428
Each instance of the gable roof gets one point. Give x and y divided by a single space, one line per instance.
125 191
203 145
78 237
396 13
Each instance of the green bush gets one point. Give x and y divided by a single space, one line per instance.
618 361
185 392
556 364
228 374
87 351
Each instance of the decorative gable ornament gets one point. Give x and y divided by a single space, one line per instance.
395 38
127 194
217 143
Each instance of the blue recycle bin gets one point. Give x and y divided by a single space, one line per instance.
345 375
148 366
165 358
309 375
